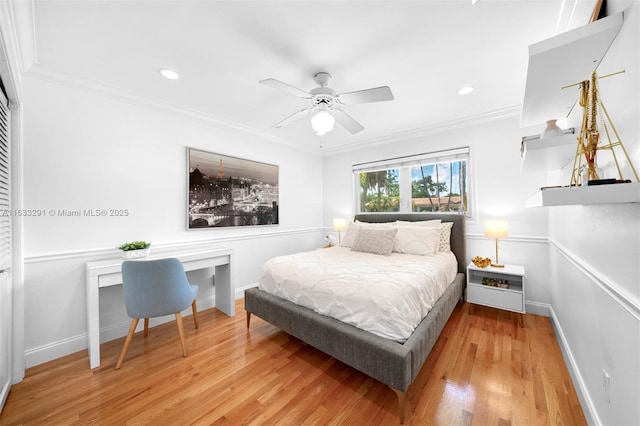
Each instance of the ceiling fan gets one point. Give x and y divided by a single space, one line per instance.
327 104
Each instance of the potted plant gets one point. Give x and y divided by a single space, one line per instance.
135 249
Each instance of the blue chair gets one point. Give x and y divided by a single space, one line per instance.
154 288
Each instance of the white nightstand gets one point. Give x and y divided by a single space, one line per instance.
503 288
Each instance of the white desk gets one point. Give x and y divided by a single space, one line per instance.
105 273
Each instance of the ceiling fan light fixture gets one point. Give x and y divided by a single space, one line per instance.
465 90
325 105
168 74
323 121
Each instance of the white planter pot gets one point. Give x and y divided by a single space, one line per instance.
136 254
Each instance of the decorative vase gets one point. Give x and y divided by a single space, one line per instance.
551 130
136 254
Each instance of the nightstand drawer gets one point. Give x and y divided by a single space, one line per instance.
495 297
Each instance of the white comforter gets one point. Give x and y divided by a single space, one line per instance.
385 295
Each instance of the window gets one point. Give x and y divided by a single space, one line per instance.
380 191
433 182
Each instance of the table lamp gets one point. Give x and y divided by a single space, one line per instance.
496 229
339 224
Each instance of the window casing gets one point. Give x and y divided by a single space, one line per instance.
431 182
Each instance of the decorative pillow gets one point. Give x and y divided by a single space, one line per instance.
445 237
375 240
417 240
375 224
352 230
349 237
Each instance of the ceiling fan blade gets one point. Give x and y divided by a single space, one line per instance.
277 84
346 121
377 94
293 117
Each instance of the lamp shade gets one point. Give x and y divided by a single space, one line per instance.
496 228
323 121
339 224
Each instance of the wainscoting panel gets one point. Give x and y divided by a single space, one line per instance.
597 325
55 289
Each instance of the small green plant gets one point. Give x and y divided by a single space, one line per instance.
134 245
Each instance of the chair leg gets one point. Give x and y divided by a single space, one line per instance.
194 308
127 342
181 332
146 327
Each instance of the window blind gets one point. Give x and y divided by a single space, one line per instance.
435 157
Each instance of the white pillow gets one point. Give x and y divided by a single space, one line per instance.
352 231
375 240
444 244
445 237
375 224
349 237
417 240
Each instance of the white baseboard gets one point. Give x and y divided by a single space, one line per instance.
78 343
537 308
4 393
53 350
578 382
546 310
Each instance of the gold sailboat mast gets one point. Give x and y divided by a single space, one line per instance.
590 140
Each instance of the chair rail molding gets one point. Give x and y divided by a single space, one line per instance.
625 299
190 244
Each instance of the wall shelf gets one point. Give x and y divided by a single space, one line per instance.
581 195
551 153
565 59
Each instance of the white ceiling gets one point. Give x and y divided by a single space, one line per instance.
423 50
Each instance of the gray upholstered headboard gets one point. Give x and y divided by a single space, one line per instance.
458 237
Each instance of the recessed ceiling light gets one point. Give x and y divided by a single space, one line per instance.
169 74
465 90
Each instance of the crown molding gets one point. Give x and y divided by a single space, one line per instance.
73 81
421 132
17 44
25 24
38 71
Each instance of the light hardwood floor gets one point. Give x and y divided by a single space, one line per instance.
485 369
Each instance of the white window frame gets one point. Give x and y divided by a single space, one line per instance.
404 165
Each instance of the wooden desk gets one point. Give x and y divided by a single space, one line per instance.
105 273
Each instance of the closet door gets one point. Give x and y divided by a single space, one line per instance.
6 311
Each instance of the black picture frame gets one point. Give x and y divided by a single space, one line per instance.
225 191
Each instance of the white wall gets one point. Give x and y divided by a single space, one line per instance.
596 255
498 190
582 262
87 151
84 151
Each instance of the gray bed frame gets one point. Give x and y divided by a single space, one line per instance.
394 364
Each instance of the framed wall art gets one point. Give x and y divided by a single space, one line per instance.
228 191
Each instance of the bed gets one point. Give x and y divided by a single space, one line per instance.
390 362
